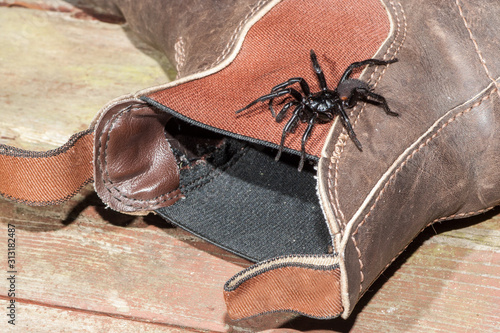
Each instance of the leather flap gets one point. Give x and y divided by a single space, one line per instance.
135 169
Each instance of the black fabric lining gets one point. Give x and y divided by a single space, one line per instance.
254 207
223 132
203 172
239 198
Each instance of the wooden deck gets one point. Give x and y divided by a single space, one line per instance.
84 268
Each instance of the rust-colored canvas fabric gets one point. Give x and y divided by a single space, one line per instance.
301 284
275 49
44 178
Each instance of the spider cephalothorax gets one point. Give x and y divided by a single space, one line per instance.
322 106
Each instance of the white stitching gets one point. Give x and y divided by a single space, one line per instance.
461 215
405 162
361 265
235 34
180 55
399 39
476 46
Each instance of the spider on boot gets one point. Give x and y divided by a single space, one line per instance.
322 107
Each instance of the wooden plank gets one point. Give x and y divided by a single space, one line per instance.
39 318
101 262
446 281
141 268
51 5
58 72
78 255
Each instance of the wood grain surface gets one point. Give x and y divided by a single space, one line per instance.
84 268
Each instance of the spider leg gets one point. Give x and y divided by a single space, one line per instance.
305 137
370 62
344 118
282 113
303 85
295 94
273 95
289 128
319 71
295 124
284 101
373 98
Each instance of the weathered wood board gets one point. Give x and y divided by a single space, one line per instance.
58 71
83 268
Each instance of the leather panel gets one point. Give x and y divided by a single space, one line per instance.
135 169
435 161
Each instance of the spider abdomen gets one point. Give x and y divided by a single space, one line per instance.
345 89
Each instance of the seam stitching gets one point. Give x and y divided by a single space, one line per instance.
439 220
105 174
232 40
280 262
403 38
405 162
476 46
462 215
180 55
399 39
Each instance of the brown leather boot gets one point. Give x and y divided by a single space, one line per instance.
194 35
321 236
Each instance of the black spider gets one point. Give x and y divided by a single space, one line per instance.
322 106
